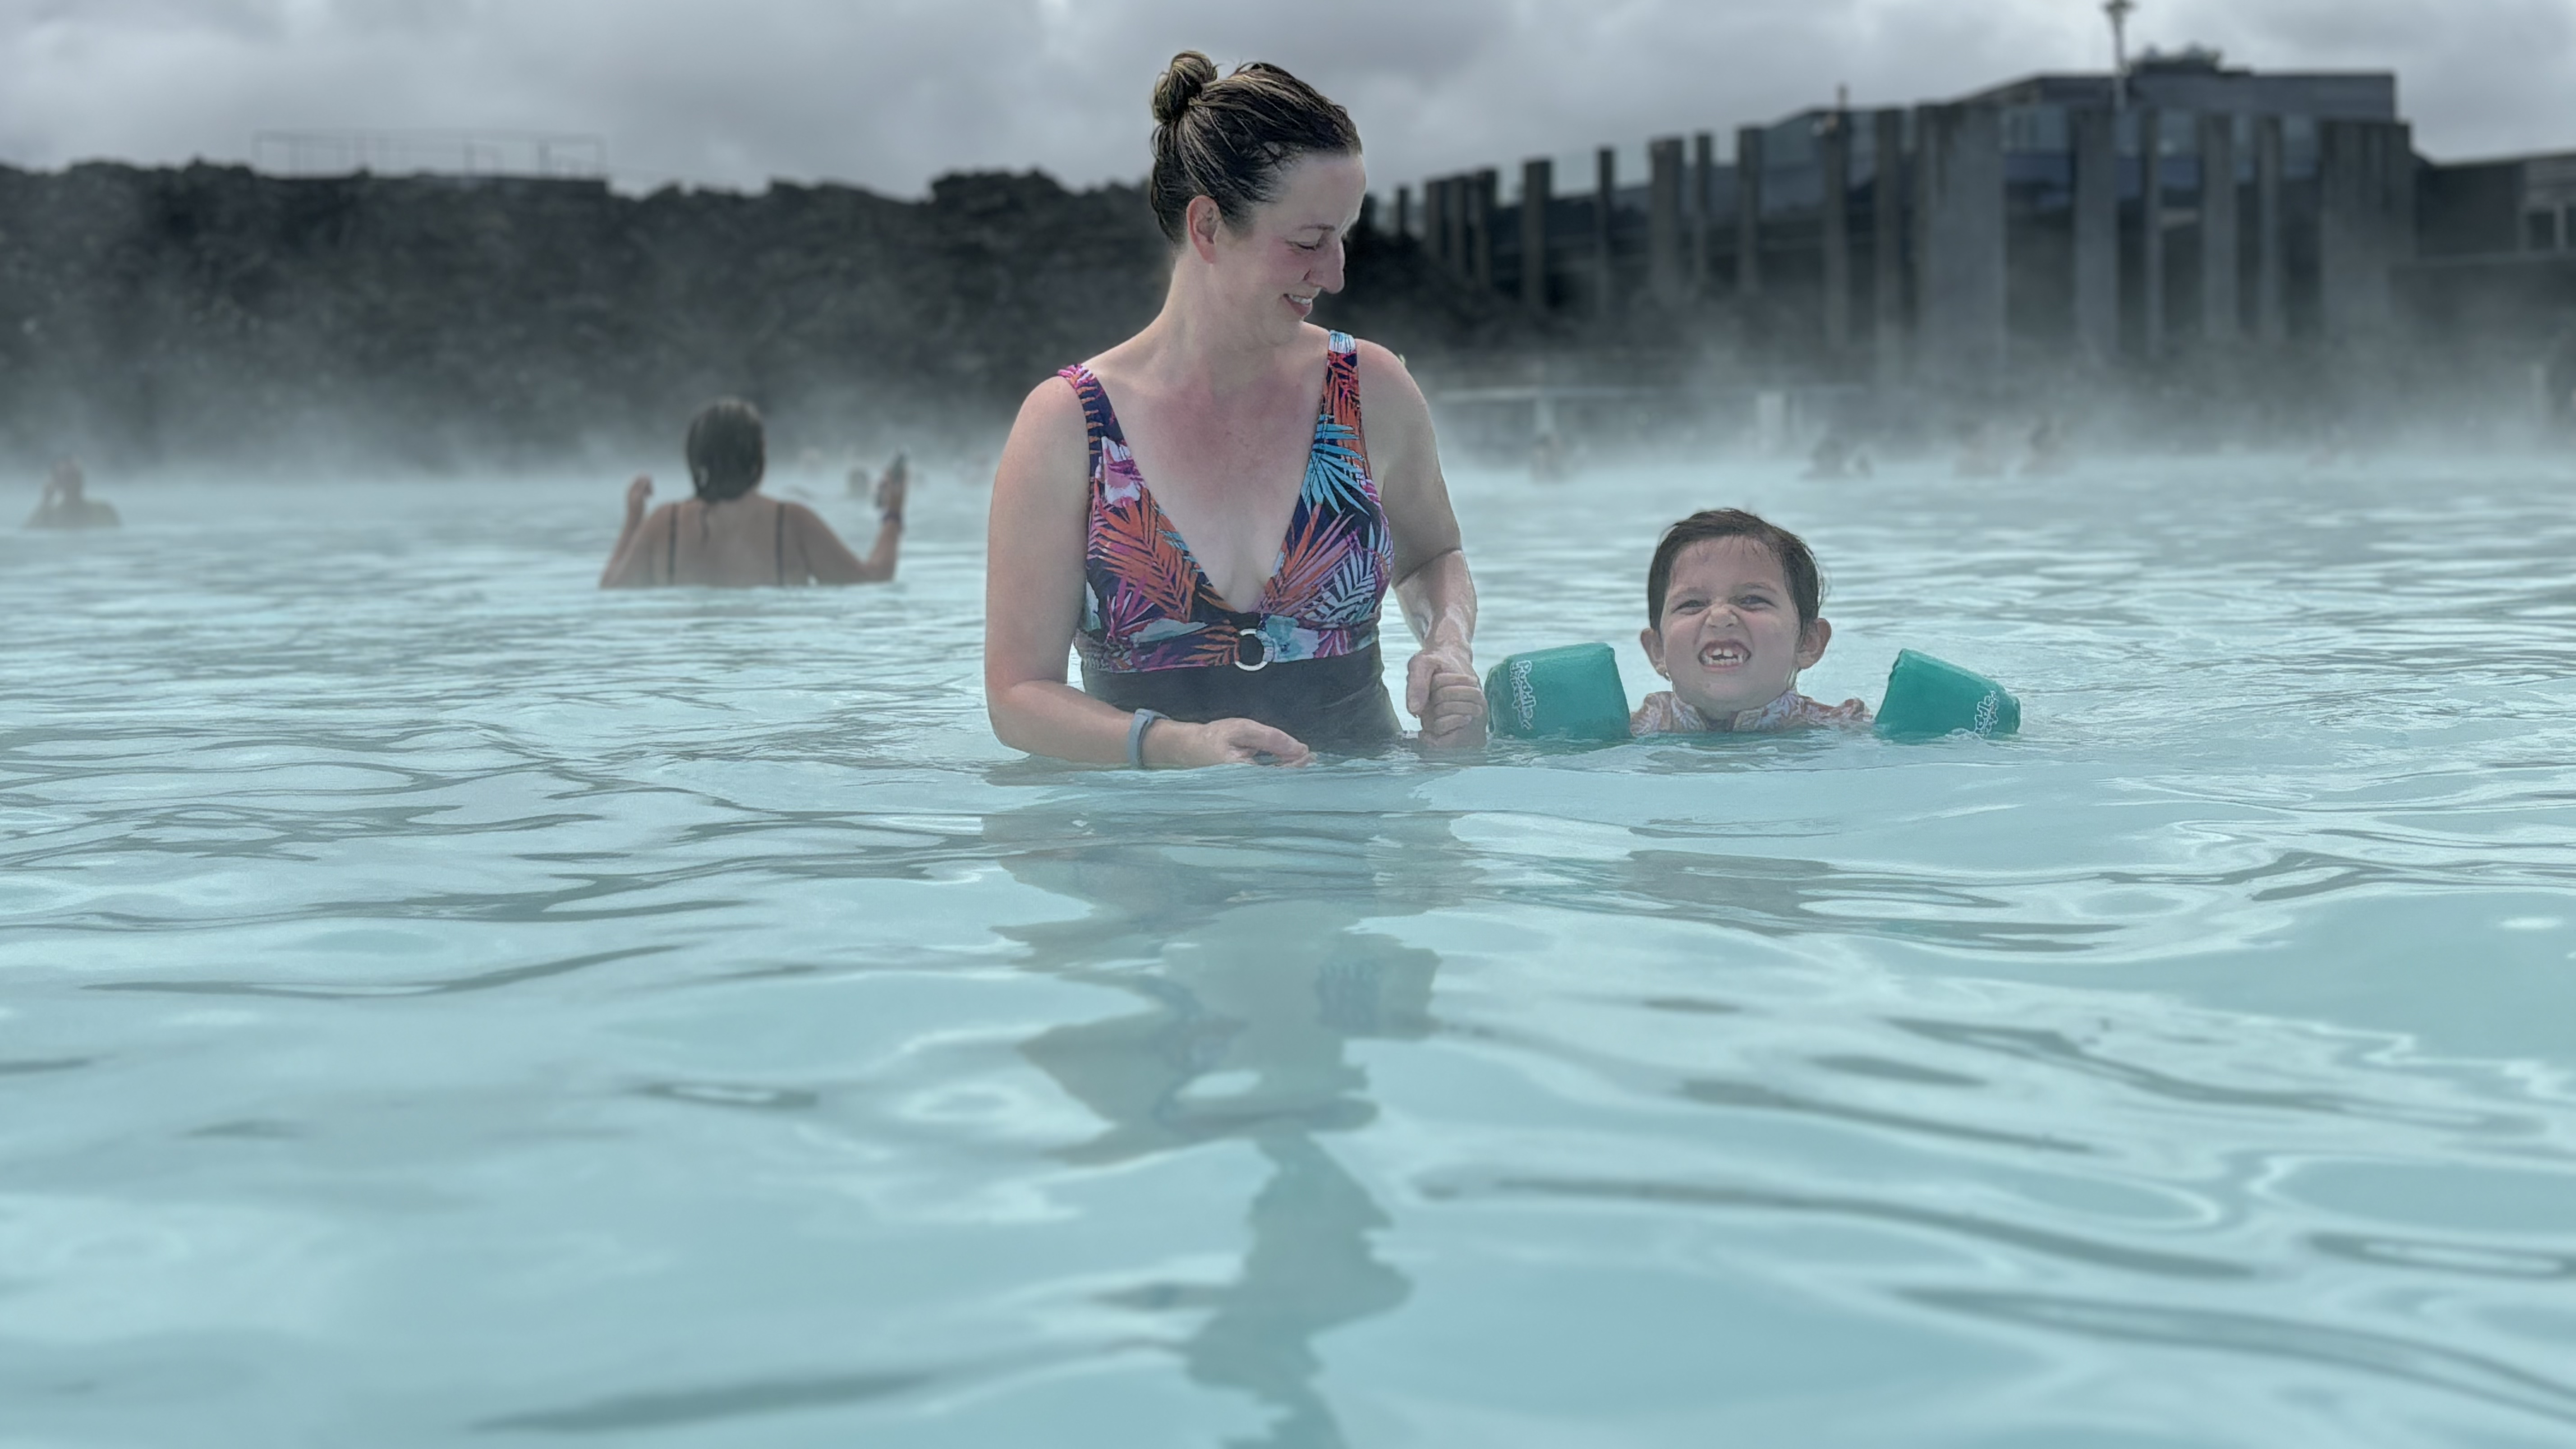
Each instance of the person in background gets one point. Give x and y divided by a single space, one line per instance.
64 505
1836 457
1547 461
1219 544
2051 454
1979 456
732 536
897 475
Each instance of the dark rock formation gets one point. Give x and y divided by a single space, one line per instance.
213 317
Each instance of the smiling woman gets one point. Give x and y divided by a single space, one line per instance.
1228 610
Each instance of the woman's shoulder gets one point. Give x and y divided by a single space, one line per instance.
1050 439
1372 358
1056 398
1388 393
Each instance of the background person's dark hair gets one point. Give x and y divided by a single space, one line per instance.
1797 563
1228 139
728 450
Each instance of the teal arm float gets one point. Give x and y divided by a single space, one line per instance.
1928 698
1574 693
1933 697
1571 693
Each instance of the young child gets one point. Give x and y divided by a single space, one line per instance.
1733 602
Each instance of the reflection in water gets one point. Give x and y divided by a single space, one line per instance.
1787 897
1241 933
2378 1355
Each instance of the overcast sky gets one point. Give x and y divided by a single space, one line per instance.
889 93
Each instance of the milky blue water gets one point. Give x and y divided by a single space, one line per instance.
441 1003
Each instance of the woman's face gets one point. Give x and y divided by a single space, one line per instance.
1289 251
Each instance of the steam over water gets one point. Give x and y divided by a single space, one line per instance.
445 1003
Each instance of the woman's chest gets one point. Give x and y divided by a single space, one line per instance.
1188 455
1227 482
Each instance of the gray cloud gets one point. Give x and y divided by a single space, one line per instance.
891 92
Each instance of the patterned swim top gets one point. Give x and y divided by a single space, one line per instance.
1146 603
1666 713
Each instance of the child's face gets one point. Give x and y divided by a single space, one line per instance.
1730 639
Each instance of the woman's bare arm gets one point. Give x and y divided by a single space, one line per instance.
631 566
1431 578
1033 601
830 561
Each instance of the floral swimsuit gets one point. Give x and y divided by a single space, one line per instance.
1148 606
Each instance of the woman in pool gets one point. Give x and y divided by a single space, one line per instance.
730 535
66 506
1218 545
1734 600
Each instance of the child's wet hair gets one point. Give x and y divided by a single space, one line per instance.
1797 562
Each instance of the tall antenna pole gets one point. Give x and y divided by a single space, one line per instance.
2119 10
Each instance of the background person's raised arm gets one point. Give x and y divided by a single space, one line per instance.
829 561
627 566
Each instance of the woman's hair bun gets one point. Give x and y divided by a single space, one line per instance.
1188 74
1248 127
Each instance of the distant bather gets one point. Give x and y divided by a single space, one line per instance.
732 536
2051 454
64 505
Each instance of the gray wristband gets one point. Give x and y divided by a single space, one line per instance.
1136 727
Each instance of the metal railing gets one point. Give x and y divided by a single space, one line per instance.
460 153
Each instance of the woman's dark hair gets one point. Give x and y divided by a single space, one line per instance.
1229 139
727 450
1797 564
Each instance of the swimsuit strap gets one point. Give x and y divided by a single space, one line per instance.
1098 422
778 545
671 549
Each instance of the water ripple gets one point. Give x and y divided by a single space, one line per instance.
444 995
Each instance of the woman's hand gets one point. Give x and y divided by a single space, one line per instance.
891 490
1172 744
1440 689
638 493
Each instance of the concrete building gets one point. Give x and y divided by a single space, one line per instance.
2101 222
2491 292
